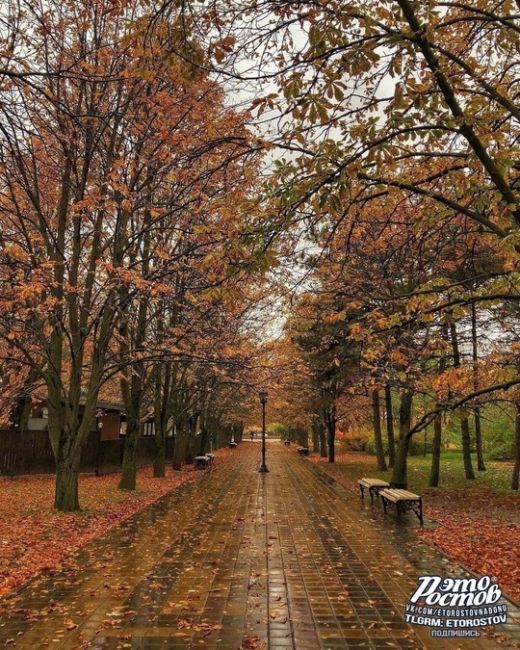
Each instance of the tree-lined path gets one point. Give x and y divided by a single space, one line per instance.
235 559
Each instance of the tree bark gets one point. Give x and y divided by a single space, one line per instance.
400 471
390 426
66 497
464 424
159 462
378 440
436 452
179 447
315 439
331 431
323 442
405 413
129 467
481 466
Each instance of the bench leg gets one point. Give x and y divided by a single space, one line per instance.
362 491
384 503
371 492
421 513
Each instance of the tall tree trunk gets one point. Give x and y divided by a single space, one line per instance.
179 447
464 424
405 413
190 442
133 380
159 461
22 409
68 430
161 432
315 439
331 431
378 440
436 452
516 469
161 425
129 467
390 426
66 497
481 467
323 441
400 471
161 405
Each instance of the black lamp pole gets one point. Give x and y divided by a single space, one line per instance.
263 401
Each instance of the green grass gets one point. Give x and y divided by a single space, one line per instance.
497 476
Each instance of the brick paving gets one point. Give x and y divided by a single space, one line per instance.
235 560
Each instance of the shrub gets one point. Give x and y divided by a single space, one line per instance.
505 451
355 444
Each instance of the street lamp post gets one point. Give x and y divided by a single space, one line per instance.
263 401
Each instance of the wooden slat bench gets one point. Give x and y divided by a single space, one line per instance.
373 485
403 501
201 462
287 442
304 451
232 444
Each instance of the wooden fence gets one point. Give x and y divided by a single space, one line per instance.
30 452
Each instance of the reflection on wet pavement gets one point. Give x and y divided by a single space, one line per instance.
235 560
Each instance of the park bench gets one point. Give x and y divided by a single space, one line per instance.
304 451
211 458
286 442
373 485
403 501
201 462
232 444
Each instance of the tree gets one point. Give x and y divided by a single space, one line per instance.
101 170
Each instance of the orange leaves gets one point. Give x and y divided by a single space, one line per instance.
398 357
15 252
223 47
485 544
37 539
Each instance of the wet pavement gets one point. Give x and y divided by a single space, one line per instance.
238 559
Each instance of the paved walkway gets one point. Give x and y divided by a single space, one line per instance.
234 560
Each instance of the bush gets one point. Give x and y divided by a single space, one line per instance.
370 447
355 444
416 446
505 451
